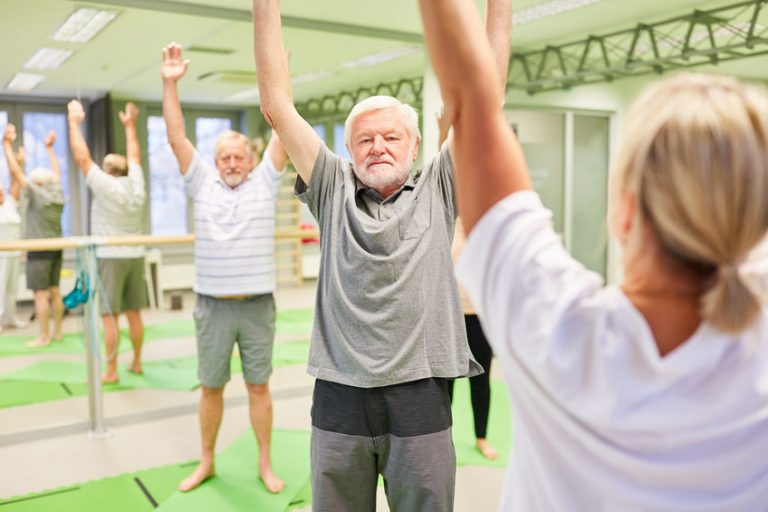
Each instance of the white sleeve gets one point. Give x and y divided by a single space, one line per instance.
519 276
271 173
136 176
196 174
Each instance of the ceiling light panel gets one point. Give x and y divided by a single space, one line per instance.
378 58
547 9
48 58
314 76
24 82
83 24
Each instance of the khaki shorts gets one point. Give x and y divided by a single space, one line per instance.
220 324
43 271
122 285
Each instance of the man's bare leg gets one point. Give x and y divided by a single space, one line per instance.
260 411
42 313
111 343
211 412
136 329
58 312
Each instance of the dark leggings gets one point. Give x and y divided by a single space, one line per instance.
479 386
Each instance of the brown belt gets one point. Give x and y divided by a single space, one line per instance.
235 297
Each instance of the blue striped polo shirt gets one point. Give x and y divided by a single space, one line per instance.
234 229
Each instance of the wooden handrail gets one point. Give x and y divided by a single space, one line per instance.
55 244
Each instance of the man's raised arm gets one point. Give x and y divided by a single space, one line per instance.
489 162
49 141
14 167
297 136
174 67
498 24
128 117
80 153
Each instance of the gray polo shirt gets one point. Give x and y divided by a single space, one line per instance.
388 308
44 207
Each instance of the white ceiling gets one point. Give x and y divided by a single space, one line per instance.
125 57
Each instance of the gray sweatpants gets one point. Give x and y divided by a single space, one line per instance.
402 432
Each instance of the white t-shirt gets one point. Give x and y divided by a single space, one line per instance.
234 229
10 223
117 208
602 422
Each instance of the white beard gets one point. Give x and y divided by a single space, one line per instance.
233 180
378 180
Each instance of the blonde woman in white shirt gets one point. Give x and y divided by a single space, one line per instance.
650 395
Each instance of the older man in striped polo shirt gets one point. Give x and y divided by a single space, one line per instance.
234 270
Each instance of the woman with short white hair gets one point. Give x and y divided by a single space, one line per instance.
649 395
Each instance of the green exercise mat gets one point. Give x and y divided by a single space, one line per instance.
74 343
294 321
499 425
14 393
287 353
157 374
235 487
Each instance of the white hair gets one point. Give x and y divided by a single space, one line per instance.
41 176
410 116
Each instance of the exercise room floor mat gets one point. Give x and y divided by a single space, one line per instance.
236 486
499 425
289 322
165 374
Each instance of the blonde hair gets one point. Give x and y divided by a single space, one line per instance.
233 135
696 159
410 116
116 165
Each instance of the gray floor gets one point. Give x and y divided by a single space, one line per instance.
46 445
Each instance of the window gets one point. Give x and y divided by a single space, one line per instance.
5 177
170 213
319 130
167 193
339 146
36 128
207 131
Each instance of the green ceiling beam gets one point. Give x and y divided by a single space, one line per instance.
735 31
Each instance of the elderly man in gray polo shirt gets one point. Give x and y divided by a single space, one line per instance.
234 270
44 198
388 329
117 209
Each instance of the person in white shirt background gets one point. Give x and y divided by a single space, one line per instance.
10 261
117 210
649 395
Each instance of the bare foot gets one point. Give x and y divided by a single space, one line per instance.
109 378
203 472
271 481
58 337
136 368
486 450
39 343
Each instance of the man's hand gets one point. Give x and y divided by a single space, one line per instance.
9 134
174 67
129 116
75 112
50 139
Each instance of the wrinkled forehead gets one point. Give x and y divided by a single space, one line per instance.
233 147
379 121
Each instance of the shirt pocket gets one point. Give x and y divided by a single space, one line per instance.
415 220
